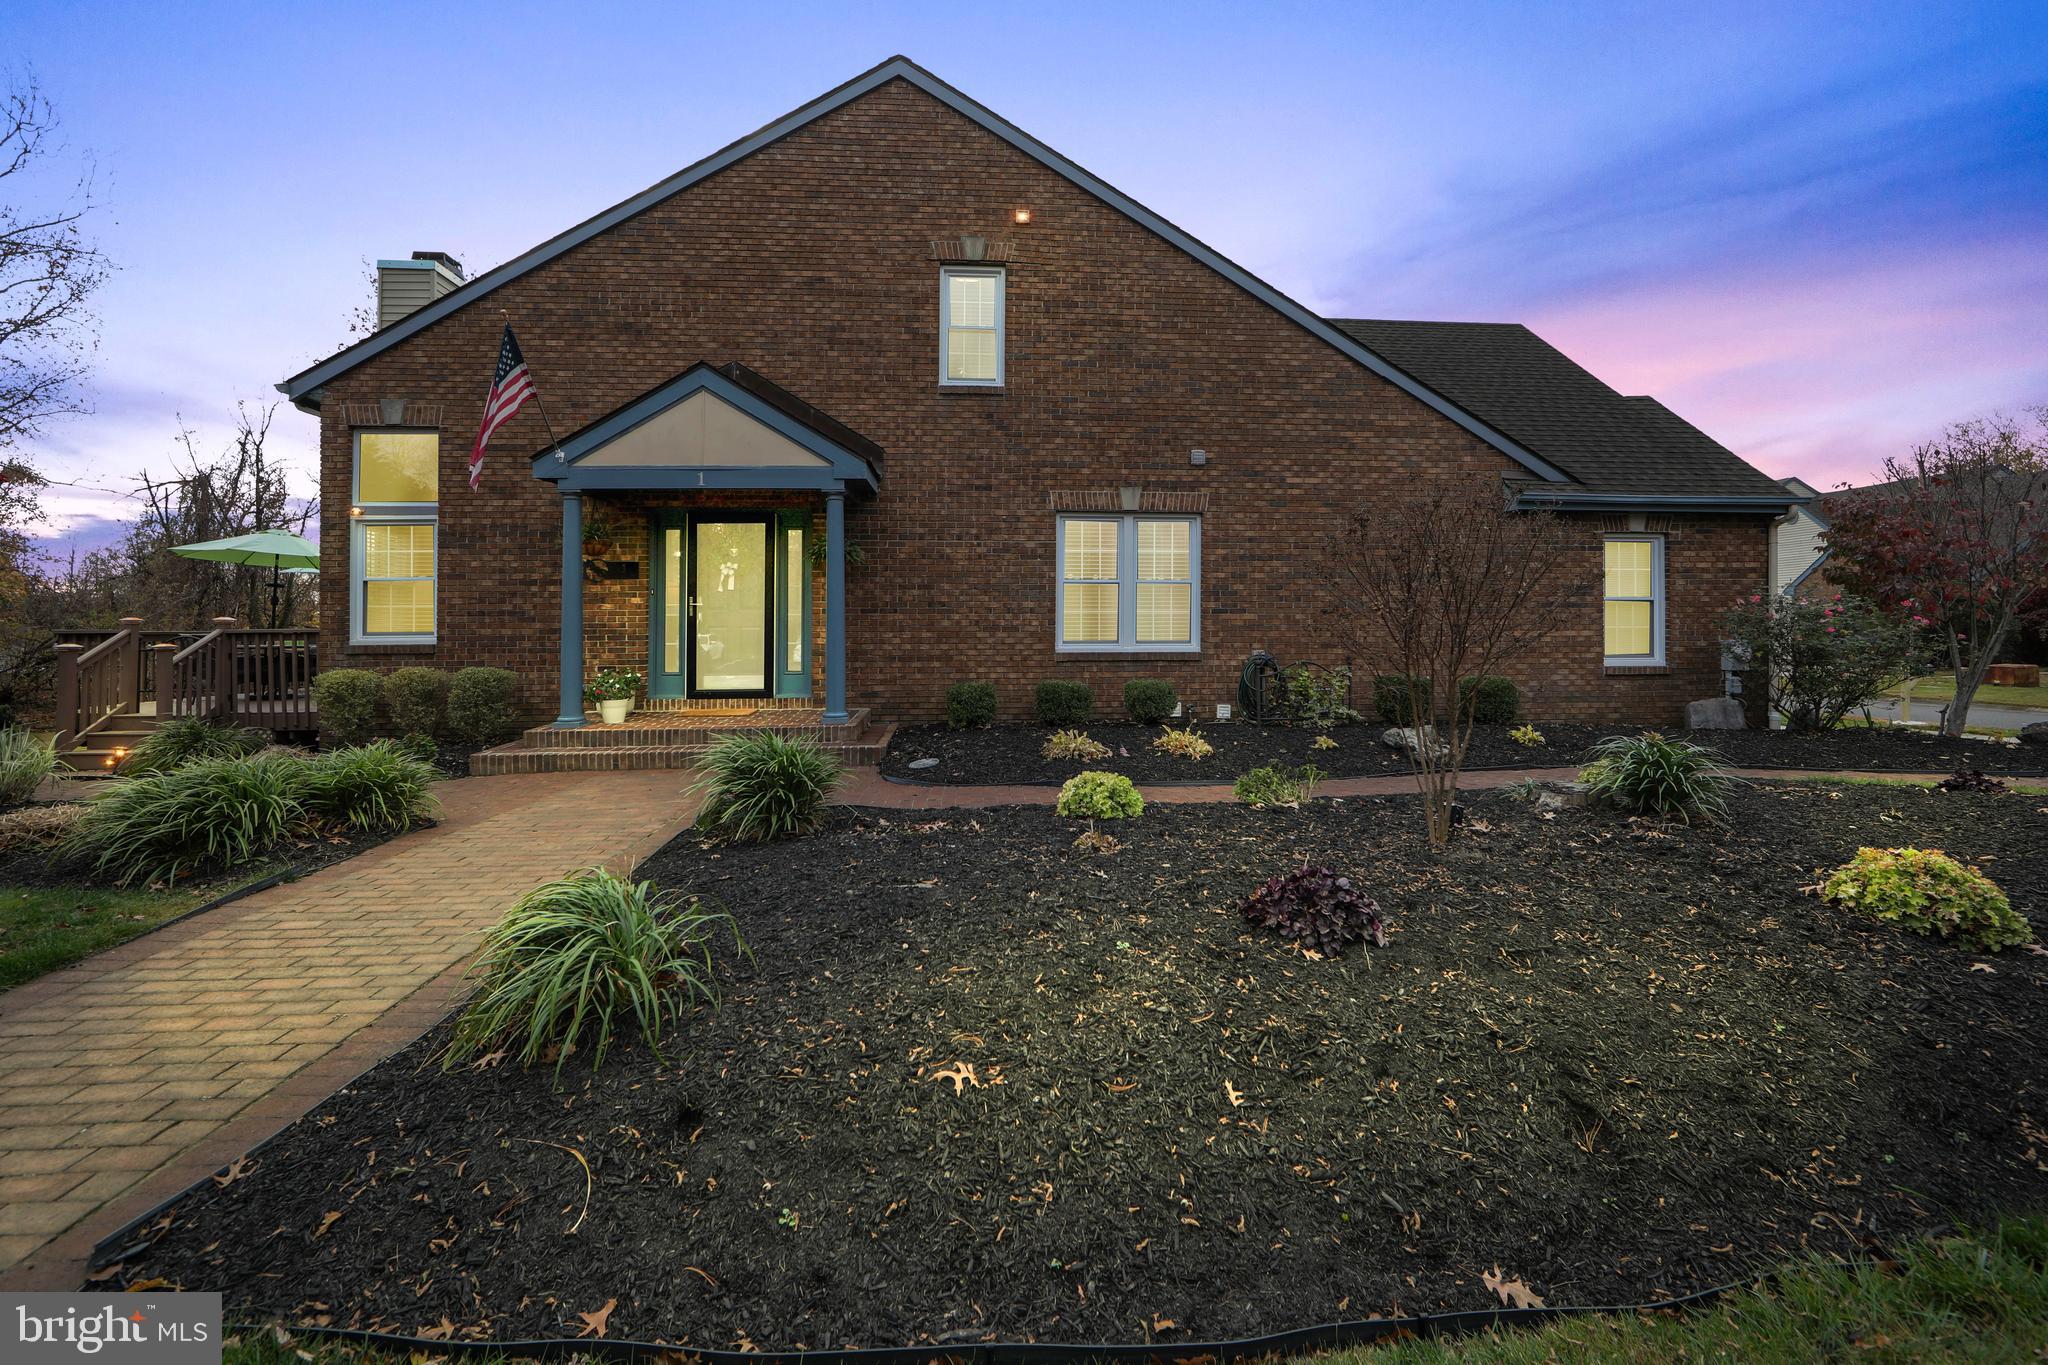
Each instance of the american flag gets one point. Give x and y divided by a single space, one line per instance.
511 386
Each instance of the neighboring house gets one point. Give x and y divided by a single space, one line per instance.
889 395
1799 542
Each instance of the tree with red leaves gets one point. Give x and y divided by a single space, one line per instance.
1956 538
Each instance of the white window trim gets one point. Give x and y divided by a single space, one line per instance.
1127 587
1655 658
386 514
996 273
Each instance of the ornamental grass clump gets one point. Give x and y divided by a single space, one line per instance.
761 786
369 787
1648 774
1276 786
25 761
191 739
1927 891
1316 908
584 955
1073 744
1186 742
1100 796
216 813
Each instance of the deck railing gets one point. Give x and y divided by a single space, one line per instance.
255 677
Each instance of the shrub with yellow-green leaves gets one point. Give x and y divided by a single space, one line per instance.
1925 890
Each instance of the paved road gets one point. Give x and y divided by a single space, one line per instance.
1994 717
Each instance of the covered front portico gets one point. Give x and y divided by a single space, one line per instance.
723 473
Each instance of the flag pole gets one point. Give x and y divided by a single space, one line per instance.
538 401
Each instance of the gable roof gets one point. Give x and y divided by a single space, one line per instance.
1614 446
833 454
303 387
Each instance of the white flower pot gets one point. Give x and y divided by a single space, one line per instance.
615 712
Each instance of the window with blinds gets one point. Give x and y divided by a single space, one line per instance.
1634 600
393 530
971 326
1128 582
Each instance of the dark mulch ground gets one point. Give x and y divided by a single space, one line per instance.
1010 753
981 1084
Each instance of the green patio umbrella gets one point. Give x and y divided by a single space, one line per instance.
279 551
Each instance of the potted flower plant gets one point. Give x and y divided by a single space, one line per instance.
614 690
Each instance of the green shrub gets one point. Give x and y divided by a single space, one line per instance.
371 787
970 705
1648 774
191 739
1150 701
346 699
1928 892
590 951
1064 704
1072 744
1491 700
1528 736
216 813
759 786
1401 700
417 699
1276 786
1821 660
25 760
1318 697
480 709
1100 796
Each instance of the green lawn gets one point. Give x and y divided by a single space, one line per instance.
1940 687
43 928
1979 1298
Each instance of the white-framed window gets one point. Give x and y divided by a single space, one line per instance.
971 326
1633 600
1128 582
394 537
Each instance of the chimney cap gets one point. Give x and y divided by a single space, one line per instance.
443 258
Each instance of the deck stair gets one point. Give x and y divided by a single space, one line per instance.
670 738
101 750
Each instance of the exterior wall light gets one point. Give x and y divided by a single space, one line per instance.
1022 215
355 511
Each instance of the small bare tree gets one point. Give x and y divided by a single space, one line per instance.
1440 583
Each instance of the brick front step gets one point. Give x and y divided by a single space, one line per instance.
673 729
519 757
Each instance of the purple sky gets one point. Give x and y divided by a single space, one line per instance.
1819 232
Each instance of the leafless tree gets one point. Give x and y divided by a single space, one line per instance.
49 271
236 492
1440 582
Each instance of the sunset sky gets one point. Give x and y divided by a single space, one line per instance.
1819 232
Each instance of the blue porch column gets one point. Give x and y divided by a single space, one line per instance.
572 610
835 608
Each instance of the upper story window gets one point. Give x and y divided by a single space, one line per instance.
971 326
394 537
1128 583
1634 600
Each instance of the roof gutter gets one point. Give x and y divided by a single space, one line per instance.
1564 500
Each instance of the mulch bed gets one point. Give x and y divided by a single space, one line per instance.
302 853
1005 754
979 1084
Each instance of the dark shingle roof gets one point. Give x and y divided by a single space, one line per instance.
1515 381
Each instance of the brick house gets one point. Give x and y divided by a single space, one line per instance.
888 394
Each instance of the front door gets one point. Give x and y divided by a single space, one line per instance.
713 605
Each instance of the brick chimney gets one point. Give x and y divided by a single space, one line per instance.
407 286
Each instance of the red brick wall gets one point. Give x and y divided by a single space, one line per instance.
810 261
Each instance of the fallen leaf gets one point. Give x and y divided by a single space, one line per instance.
233 1171
594 1323
153 1282
1984 967
961 1074
440 1332
326 1223
1512 1292
488 1060
1231 1092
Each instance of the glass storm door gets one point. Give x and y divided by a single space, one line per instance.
726 615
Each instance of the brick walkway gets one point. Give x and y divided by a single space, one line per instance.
129 1076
